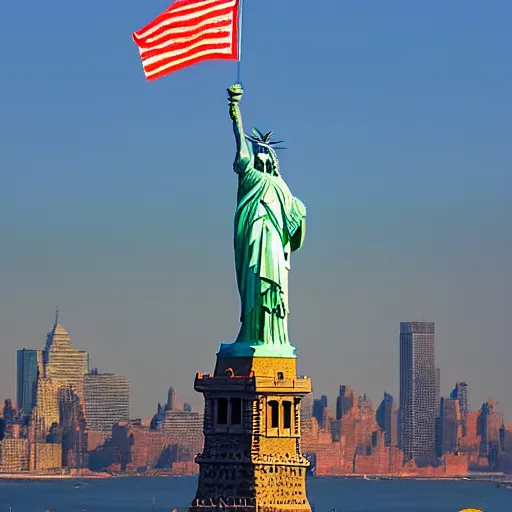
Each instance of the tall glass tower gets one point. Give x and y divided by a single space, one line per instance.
418 391
29 363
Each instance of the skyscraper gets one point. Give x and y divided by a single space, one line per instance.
418 391
306 413
319 404
387 419
438 392
63 361
60 382
107 400
460 392
29 366
344 401
306 408
186 430
450 426
171 400
489 423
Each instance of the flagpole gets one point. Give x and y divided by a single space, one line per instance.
240 22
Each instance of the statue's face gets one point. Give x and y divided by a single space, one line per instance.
263 162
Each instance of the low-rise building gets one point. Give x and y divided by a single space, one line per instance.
14 455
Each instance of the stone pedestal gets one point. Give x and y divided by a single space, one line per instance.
252 459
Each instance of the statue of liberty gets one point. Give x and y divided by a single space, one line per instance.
269 225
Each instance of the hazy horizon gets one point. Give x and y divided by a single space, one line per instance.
117 196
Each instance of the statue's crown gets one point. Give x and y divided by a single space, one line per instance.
263 140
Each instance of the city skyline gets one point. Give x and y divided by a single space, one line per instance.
397 123
58 334
77 419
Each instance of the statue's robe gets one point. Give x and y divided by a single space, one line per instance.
269 225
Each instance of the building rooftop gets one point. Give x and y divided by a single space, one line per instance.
58 329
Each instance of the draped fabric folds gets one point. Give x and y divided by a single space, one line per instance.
269 224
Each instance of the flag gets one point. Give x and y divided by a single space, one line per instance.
189 31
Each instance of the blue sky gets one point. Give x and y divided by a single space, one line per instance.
117 196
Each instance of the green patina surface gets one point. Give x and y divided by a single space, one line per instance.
270 224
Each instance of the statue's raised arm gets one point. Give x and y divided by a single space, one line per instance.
242 149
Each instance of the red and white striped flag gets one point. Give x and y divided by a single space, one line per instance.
189 31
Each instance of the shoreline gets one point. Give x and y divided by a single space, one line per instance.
52 476
482 477
477 477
